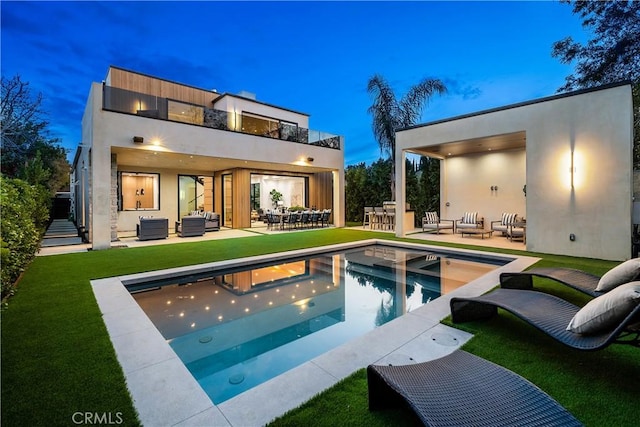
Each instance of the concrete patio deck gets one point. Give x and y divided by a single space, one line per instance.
54 244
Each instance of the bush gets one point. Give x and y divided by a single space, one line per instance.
25 215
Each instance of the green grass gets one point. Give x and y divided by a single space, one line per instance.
57 357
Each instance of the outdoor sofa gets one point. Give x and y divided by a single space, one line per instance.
211 220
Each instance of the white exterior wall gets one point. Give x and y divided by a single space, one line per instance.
476 174
597 126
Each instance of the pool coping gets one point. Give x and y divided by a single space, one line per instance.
165 393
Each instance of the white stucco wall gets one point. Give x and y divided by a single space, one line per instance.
596 126
467 180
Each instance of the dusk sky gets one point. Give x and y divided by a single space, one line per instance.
312 57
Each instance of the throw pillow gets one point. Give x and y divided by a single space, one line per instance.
622 273
508 218
470 217
606 310
431 217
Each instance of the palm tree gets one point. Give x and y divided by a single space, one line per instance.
390 114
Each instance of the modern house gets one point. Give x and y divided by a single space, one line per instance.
153 147
564 163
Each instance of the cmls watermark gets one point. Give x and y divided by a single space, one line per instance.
97 418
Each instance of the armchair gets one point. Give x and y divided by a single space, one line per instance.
190 226
469 220
152 228
502 225
431 222
211 221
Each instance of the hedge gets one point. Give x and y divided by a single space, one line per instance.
25 216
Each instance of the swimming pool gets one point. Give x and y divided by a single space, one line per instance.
236 327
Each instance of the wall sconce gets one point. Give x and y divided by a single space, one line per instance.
572 170
138 140
310 159
494 188
576 167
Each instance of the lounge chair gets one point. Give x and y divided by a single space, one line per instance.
582 281
502 225
549 314
463 389
576 279
469 220
431 222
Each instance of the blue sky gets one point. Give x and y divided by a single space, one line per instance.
313 57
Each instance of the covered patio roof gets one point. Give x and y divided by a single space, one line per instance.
159 158
507 141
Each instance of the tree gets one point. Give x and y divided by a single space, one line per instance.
28 152
612 55
390 114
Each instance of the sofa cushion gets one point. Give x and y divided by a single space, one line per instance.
607 310
622 273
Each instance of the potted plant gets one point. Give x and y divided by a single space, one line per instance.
275 196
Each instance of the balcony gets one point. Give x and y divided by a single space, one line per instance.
129 102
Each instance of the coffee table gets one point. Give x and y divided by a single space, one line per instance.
477 232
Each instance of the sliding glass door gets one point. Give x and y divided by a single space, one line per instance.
227 200
195 193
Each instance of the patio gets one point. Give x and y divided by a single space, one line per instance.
127 240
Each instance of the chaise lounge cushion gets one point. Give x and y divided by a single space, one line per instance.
606 310
620 274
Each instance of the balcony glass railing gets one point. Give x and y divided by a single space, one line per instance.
126 101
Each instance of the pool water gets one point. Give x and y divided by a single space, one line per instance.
237 328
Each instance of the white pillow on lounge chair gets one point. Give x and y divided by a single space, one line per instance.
620 274
606 310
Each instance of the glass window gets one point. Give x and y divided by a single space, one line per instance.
258 125
255 196
195 193
139 191
185 113
292 188
227 200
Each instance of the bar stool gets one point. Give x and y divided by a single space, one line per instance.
366 220
378 221
390 218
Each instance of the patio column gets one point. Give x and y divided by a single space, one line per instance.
401 193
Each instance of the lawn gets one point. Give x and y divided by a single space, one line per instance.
58 363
